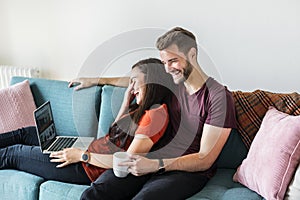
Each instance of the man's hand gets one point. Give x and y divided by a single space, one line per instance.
140 165
81 83
66 156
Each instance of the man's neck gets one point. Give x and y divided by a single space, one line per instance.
195 81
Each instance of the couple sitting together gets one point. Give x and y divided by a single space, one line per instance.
173 131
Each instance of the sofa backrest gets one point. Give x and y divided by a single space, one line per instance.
75 113
90 112
111 100
233 152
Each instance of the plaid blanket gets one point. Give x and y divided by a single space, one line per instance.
251 107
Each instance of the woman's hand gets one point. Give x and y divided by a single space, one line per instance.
81 83
140 165
129 96
66 156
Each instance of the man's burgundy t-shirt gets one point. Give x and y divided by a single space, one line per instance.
212 104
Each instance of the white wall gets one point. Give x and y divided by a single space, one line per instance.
253 44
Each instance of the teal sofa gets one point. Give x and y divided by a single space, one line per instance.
90 112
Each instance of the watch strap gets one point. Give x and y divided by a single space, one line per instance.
161 168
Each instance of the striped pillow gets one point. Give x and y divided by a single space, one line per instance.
251 107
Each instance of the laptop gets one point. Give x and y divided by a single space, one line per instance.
47 135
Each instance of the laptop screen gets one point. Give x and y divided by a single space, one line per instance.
45 124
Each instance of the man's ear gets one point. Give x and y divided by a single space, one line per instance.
192 54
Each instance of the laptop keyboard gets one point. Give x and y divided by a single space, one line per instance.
62 143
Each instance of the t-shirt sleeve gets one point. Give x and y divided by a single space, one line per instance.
221 110
154 123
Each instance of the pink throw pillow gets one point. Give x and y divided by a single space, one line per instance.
273 156
16 107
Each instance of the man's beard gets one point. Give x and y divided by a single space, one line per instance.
187 70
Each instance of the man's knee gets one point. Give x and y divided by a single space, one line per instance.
149 195
94 192
86 194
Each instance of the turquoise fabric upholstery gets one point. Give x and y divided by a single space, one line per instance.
241 193
54 190
19 185
74 112
111 100
234 151
221 184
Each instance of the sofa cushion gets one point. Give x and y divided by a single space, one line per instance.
240 193
233 153
273 155
19 185
16 107
221 186
111 100
74 112
54 190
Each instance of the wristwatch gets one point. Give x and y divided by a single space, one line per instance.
161 167
85 157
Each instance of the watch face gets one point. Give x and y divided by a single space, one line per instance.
85 157
161 163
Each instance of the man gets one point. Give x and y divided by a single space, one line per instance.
201 118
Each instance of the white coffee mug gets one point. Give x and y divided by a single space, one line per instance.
120 171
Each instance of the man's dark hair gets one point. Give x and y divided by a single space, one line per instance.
184 39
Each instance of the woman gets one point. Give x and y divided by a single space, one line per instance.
137 128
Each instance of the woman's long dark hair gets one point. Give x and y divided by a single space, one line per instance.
158 89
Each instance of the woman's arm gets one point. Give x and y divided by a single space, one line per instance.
128 97
151 128
140 144
153 124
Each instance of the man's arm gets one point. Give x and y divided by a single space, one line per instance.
212 142
81 83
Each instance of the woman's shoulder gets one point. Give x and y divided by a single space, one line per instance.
155 113
154 123
158 108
